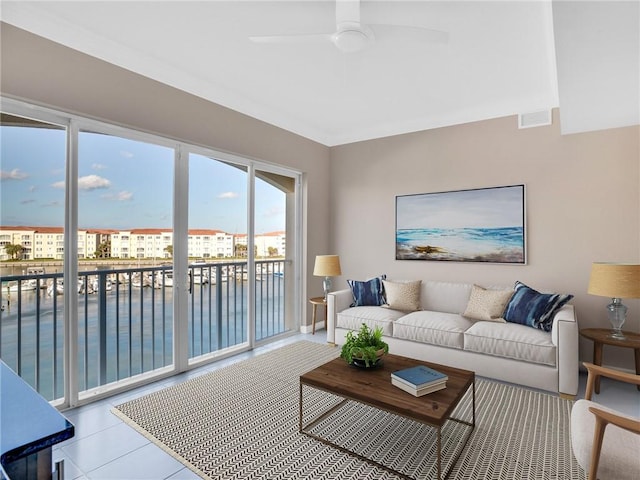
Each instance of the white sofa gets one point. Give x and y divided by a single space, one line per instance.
439 333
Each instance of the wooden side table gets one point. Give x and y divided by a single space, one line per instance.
315 301
600 337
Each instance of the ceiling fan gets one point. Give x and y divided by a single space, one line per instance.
352 36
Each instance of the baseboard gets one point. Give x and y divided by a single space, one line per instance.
309 328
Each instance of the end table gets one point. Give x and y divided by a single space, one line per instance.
315 301
601 336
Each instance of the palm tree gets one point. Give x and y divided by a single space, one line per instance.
14 250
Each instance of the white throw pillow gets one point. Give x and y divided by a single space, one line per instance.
487 304
403 296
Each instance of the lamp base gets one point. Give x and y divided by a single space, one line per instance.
326 286
617 313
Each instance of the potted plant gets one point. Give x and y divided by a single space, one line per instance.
365 348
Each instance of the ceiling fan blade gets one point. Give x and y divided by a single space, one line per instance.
411 33
292 38
347 11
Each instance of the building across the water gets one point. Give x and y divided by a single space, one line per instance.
48 243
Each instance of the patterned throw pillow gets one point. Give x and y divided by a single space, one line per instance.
367 293
487 304
532 308
404 296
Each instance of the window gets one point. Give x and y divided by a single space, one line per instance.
121 186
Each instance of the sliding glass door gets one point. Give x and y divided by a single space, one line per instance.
218 276
32 198
126 256
125 304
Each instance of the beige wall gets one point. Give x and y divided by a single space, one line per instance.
43 72
582 193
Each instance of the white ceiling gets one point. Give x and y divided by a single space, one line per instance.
500 59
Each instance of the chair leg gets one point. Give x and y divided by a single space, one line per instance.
598 435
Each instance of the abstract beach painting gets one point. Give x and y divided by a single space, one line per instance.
478 225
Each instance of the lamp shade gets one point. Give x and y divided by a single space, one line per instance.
615 280
327 266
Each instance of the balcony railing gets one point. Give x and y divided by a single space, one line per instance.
125 319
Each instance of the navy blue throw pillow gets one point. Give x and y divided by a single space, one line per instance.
532 308
367 293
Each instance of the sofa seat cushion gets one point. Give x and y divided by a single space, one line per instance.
436 328
353 318
511 340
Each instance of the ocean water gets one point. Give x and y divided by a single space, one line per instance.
501 245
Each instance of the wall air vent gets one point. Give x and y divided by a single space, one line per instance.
534 119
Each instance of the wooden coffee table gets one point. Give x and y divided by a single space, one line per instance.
374 388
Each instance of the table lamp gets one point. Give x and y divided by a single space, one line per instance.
617 281
327 266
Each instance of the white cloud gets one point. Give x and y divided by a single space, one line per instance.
126 154
93 182
14 174
124 196
99 166
228 195
89 182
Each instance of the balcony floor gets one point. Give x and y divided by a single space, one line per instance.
106 448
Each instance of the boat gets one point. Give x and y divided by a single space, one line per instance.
199 272
23 286
164 277
94 285
139 280
56 288
37 271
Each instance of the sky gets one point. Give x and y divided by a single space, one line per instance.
480 208
122 184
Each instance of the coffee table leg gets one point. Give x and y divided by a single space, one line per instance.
300 412
439 453
597 360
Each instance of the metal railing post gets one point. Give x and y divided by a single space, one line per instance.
102 323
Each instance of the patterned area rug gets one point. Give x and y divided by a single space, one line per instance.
242 422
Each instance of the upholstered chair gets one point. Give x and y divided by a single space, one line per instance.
605 442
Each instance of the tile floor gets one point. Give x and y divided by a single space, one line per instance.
106 448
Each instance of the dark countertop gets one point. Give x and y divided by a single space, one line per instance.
28 423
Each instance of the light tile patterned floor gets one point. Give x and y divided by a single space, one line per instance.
105 448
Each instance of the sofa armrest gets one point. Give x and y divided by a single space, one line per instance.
565 336
336 302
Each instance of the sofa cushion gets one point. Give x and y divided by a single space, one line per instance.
487 304
532 308
446 297
437 328
403 296
353 318
512 341
367 293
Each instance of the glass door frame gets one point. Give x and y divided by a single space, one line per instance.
294 256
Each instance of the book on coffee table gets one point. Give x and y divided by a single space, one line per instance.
418 392
419 377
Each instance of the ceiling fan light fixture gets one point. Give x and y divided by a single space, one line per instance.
352 38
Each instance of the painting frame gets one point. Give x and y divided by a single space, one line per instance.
478 225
